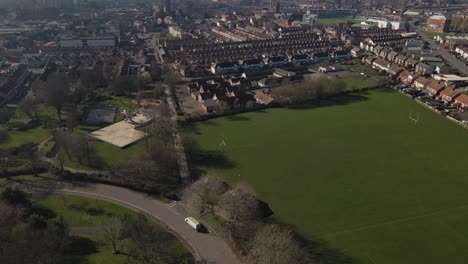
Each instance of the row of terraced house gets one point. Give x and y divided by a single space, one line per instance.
412 72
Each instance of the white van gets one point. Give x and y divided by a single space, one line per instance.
191 221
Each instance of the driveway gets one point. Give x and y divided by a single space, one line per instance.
208 247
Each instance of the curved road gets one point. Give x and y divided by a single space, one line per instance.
206 246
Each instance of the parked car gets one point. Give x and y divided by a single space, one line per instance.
194 223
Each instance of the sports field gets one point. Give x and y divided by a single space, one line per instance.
356 172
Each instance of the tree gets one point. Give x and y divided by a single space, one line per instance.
203 195
113 231
29 107
149 244
16 197
126 85
28 244
164 127
171 78
65 142
274 244
29 152
307 91
239 206
72 119
55 91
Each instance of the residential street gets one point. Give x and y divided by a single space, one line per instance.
449 58
207 246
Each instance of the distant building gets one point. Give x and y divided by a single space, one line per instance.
385 23
437 23
175 31
77 42
310 19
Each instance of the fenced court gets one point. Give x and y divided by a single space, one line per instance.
123 133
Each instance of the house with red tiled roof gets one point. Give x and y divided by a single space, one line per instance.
421 83
434 88
461 101
407 77
448 94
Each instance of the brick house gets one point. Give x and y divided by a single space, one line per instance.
395 70
423 69
461 101
448 95
434 88
437 23
407 77
400 60
380 65
392 55
421 83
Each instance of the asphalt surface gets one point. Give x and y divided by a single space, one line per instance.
208 247
449 58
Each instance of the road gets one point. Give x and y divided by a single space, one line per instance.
437 50
206 246
449 58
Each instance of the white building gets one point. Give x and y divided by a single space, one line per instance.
385 23
175 31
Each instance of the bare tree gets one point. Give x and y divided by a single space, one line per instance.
203 195
29 107
239 206
55 92
150 244
276 245
64 142
59 163
72 119
112 232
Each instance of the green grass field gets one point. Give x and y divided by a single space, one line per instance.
334 21
356 173
33 135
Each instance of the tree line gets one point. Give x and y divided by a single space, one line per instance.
243 223
307 91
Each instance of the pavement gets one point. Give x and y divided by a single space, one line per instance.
206 247
179 147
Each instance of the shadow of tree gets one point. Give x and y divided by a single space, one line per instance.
343 99
238 118
199 158
46 213
325 253
81 246
89 210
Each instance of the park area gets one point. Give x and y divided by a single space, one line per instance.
88 220
355 172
